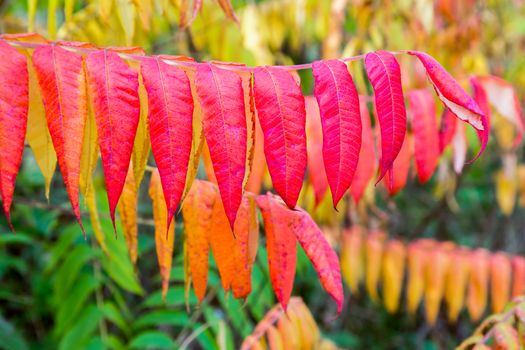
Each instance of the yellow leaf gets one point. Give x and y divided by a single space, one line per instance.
456 284
127 209
416 275
164 236
393 273
145 9
141 146
31 14
52 8
506 185
352 264
126 13
435 273
104 9
88 160
374 253
500 281
478 283
93 217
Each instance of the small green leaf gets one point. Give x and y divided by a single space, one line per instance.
151 340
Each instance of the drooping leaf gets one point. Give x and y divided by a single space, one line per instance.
385 75
366 164
62 81
281 245
141 145
424 127
480 96
435 274
90 152
393 273
197 212
416 258
503 97
456 283
314 148
396 179
500 281
281 112
518 276
14 105
224 123
96 226
374 247
227 7
459 145
352 257
340 115
478 283
454 97
323 257
255 178
447 129
113 86
170 123
164 236
127 209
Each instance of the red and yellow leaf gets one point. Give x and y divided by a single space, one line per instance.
127 209
62 81
435 277
170 106
500 281
417 257
281 245
227 7
426 137
224 122
281 111
385 75
393 273
113 86
456 283
340 116
164 236
14 105
478 283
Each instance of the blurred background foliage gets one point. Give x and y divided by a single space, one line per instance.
59 290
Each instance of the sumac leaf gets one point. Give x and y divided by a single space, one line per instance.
424 127
454 97
518 276
314 149
447 129
340 116
397 178
62 81
477 292
224 123
281 110
500 281
113 86
127 209
393 273
374 248
14 102
385 75
456 283
170 117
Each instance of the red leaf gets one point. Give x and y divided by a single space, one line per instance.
14 102
481 98
447 129
281 244
385 75
340 116
518 276
224 122
503 97
62 81
170 117
426 138
314 149
454 97
280 107
366 164
114 87
396 179
321 254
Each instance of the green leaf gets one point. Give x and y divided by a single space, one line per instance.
10 338
174 298
82 331
115 316
151 340
69 270
164 317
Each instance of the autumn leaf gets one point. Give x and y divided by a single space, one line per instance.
416 260
477 293
14 104
352 257
374 247
435 278
447 129
127 209
280 107
393 273
500 281
518 276
62 81
141 145
396 179
340 116
164 236
170 119
113 86
281 245
224 123
385 75
456 283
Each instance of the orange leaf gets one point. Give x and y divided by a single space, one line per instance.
164 237
478 283
518 276
435 273
127 209
417 255
374 253
456 284
393 273
500 281
197 211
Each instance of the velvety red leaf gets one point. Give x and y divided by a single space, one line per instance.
447 129
396 179
62 81
314 149
366 164
281 244
454 97
385 75
14 104
340 116
321 254
170 118
426 138
114 87
503 97
224 123
280 107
